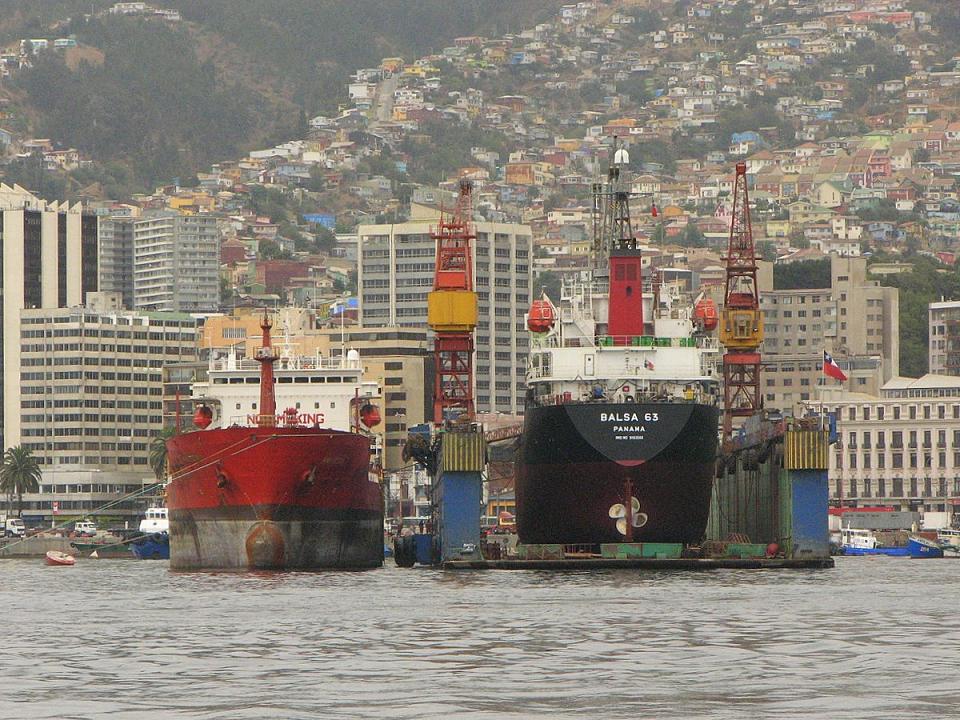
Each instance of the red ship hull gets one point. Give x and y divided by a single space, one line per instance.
273 498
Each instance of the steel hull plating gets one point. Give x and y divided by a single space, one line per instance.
576 460
283 498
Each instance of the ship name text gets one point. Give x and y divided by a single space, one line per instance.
625 417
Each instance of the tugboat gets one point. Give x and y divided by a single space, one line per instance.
288 491
154 540
621 414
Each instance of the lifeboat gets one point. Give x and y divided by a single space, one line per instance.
370 415
705 311
55 558
203 417
541 317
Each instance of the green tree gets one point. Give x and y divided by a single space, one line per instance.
808 274
19 474
270 250
158 452
659 235
692 237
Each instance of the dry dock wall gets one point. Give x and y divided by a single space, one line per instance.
775 491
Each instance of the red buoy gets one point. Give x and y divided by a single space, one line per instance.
203 417
541 317
370 415
773 549
706 312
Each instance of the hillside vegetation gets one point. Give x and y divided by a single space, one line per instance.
167 100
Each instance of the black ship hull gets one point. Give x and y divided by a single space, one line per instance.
576 459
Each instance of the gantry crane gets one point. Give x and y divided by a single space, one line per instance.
741 322
452 311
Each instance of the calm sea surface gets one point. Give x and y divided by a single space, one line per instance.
873 638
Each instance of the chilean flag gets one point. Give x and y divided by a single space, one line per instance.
831 369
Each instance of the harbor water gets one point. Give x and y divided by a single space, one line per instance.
872 638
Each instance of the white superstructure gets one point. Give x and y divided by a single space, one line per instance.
576 360
324 392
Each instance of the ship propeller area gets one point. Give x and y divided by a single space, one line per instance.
619 511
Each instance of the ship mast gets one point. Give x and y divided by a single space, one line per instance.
266 356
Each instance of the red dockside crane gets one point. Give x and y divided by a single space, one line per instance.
741 325
452 311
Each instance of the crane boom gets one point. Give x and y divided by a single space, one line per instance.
452 311
741 322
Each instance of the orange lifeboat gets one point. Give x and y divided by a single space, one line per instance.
541 317
203 417
370 415
706 312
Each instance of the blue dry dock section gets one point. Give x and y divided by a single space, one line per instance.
769 509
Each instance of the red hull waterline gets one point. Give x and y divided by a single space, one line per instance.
273 498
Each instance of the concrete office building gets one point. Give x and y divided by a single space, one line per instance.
48 260
854 319
395 273
176 263
900 448
91 384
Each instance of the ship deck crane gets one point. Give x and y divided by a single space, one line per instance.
741 322
452 311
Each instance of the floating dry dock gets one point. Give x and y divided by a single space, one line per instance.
768 510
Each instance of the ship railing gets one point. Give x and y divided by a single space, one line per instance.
300 363
681 394
648 342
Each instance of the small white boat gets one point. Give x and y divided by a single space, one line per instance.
949 539
55 558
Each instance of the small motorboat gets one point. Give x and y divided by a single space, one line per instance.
55 557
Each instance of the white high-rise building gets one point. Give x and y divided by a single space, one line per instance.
48 259
176 263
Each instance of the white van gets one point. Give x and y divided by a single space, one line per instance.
85 527
14 527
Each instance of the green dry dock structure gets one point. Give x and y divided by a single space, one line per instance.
772 490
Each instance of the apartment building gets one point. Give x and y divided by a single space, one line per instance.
855 320
395 273
116 257
48 258
944 351
176 263
900 448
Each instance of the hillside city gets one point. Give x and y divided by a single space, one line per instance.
846 114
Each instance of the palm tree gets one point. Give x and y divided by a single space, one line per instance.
158 452
19 474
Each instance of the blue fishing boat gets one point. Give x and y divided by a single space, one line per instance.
855 541
920 547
